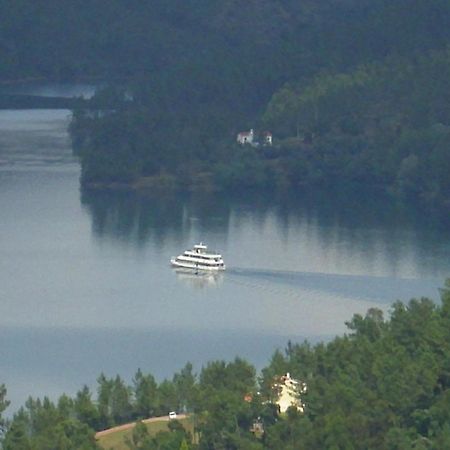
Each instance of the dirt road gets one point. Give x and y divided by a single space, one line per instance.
128 426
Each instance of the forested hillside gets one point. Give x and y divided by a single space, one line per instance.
353 90
383 124
261 41
383 385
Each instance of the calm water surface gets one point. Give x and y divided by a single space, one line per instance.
86 286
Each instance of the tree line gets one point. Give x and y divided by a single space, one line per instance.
385 384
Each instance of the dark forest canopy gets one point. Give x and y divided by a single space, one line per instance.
289 38
353 90
383 385
392 127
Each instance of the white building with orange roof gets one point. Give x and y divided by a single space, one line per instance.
267 138
246 137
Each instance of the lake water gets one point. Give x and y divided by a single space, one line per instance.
86 285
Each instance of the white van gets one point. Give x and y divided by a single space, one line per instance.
172 415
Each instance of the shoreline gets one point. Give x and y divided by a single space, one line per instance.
25 80
168 185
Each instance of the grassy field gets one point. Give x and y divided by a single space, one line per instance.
116 440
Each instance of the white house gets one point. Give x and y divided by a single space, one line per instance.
267 138
249 137
290 391
245 137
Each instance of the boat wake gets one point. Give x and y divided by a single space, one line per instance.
365 287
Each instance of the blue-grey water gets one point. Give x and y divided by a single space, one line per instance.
85 284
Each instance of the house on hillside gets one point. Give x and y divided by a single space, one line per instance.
245 137
249 137
289 393
266 138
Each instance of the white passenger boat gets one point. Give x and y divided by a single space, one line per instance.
199 259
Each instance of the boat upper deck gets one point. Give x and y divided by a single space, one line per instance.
195 254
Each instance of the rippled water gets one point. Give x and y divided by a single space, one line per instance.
86 286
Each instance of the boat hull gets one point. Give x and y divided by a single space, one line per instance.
195 266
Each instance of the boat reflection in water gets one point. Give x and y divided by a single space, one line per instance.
199 279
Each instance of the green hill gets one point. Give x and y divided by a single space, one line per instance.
363 81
